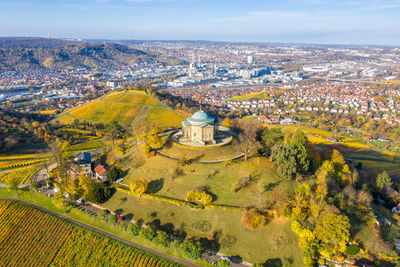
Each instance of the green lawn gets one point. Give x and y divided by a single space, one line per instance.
256 246
274 241
203 154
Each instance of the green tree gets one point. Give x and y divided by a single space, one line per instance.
98 193
161 239
133 229
270 138
148 232
285 160
191 249
113 174
299 149
383 180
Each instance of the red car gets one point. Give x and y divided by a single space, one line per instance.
120 218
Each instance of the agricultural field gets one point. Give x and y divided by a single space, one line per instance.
85 146
219 178
20 163
30 237
22 174
259 95
127 107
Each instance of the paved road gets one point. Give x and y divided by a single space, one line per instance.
152 251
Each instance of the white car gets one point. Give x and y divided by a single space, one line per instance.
226 258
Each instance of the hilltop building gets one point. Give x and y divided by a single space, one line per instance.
200 128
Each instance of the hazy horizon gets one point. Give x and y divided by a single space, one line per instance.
369 22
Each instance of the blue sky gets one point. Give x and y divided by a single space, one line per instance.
306 21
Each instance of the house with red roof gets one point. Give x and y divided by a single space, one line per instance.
101 173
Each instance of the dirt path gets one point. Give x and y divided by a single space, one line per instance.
152 251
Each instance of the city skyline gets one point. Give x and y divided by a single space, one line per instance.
305 21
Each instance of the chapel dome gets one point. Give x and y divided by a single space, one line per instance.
201 117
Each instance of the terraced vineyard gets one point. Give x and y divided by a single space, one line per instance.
22 174
127 107
30 237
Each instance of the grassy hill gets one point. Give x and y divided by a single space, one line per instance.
275 241
127 107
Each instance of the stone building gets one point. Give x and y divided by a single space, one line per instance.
200 128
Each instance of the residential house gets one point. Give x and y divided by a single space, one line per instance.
84 162
101 173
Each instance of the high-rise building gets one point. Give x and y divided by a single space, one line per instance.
250 60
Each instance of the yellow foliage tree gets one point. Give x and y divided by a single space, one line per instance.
139 187
201 197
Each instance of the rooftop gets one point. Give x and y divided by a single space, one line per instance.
201 117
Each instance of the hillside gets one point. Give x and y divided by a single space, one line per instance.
128 107
35 54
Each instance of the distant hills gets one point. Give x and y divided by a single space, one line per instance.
22 54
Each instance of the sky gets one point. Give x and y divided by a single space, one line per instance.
289 21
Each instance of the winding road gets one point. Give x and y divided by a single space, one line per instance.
149 250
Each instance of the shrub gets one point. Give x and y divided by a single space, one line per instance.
175 245
124 225
35 186
223 263
184 161
133 229
190 249
201 197
202 226
352 250
227 241
161 239
148 232
99 193
102 214
112 218
253 219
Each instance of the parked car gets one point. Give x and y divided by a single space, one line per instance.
226 258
